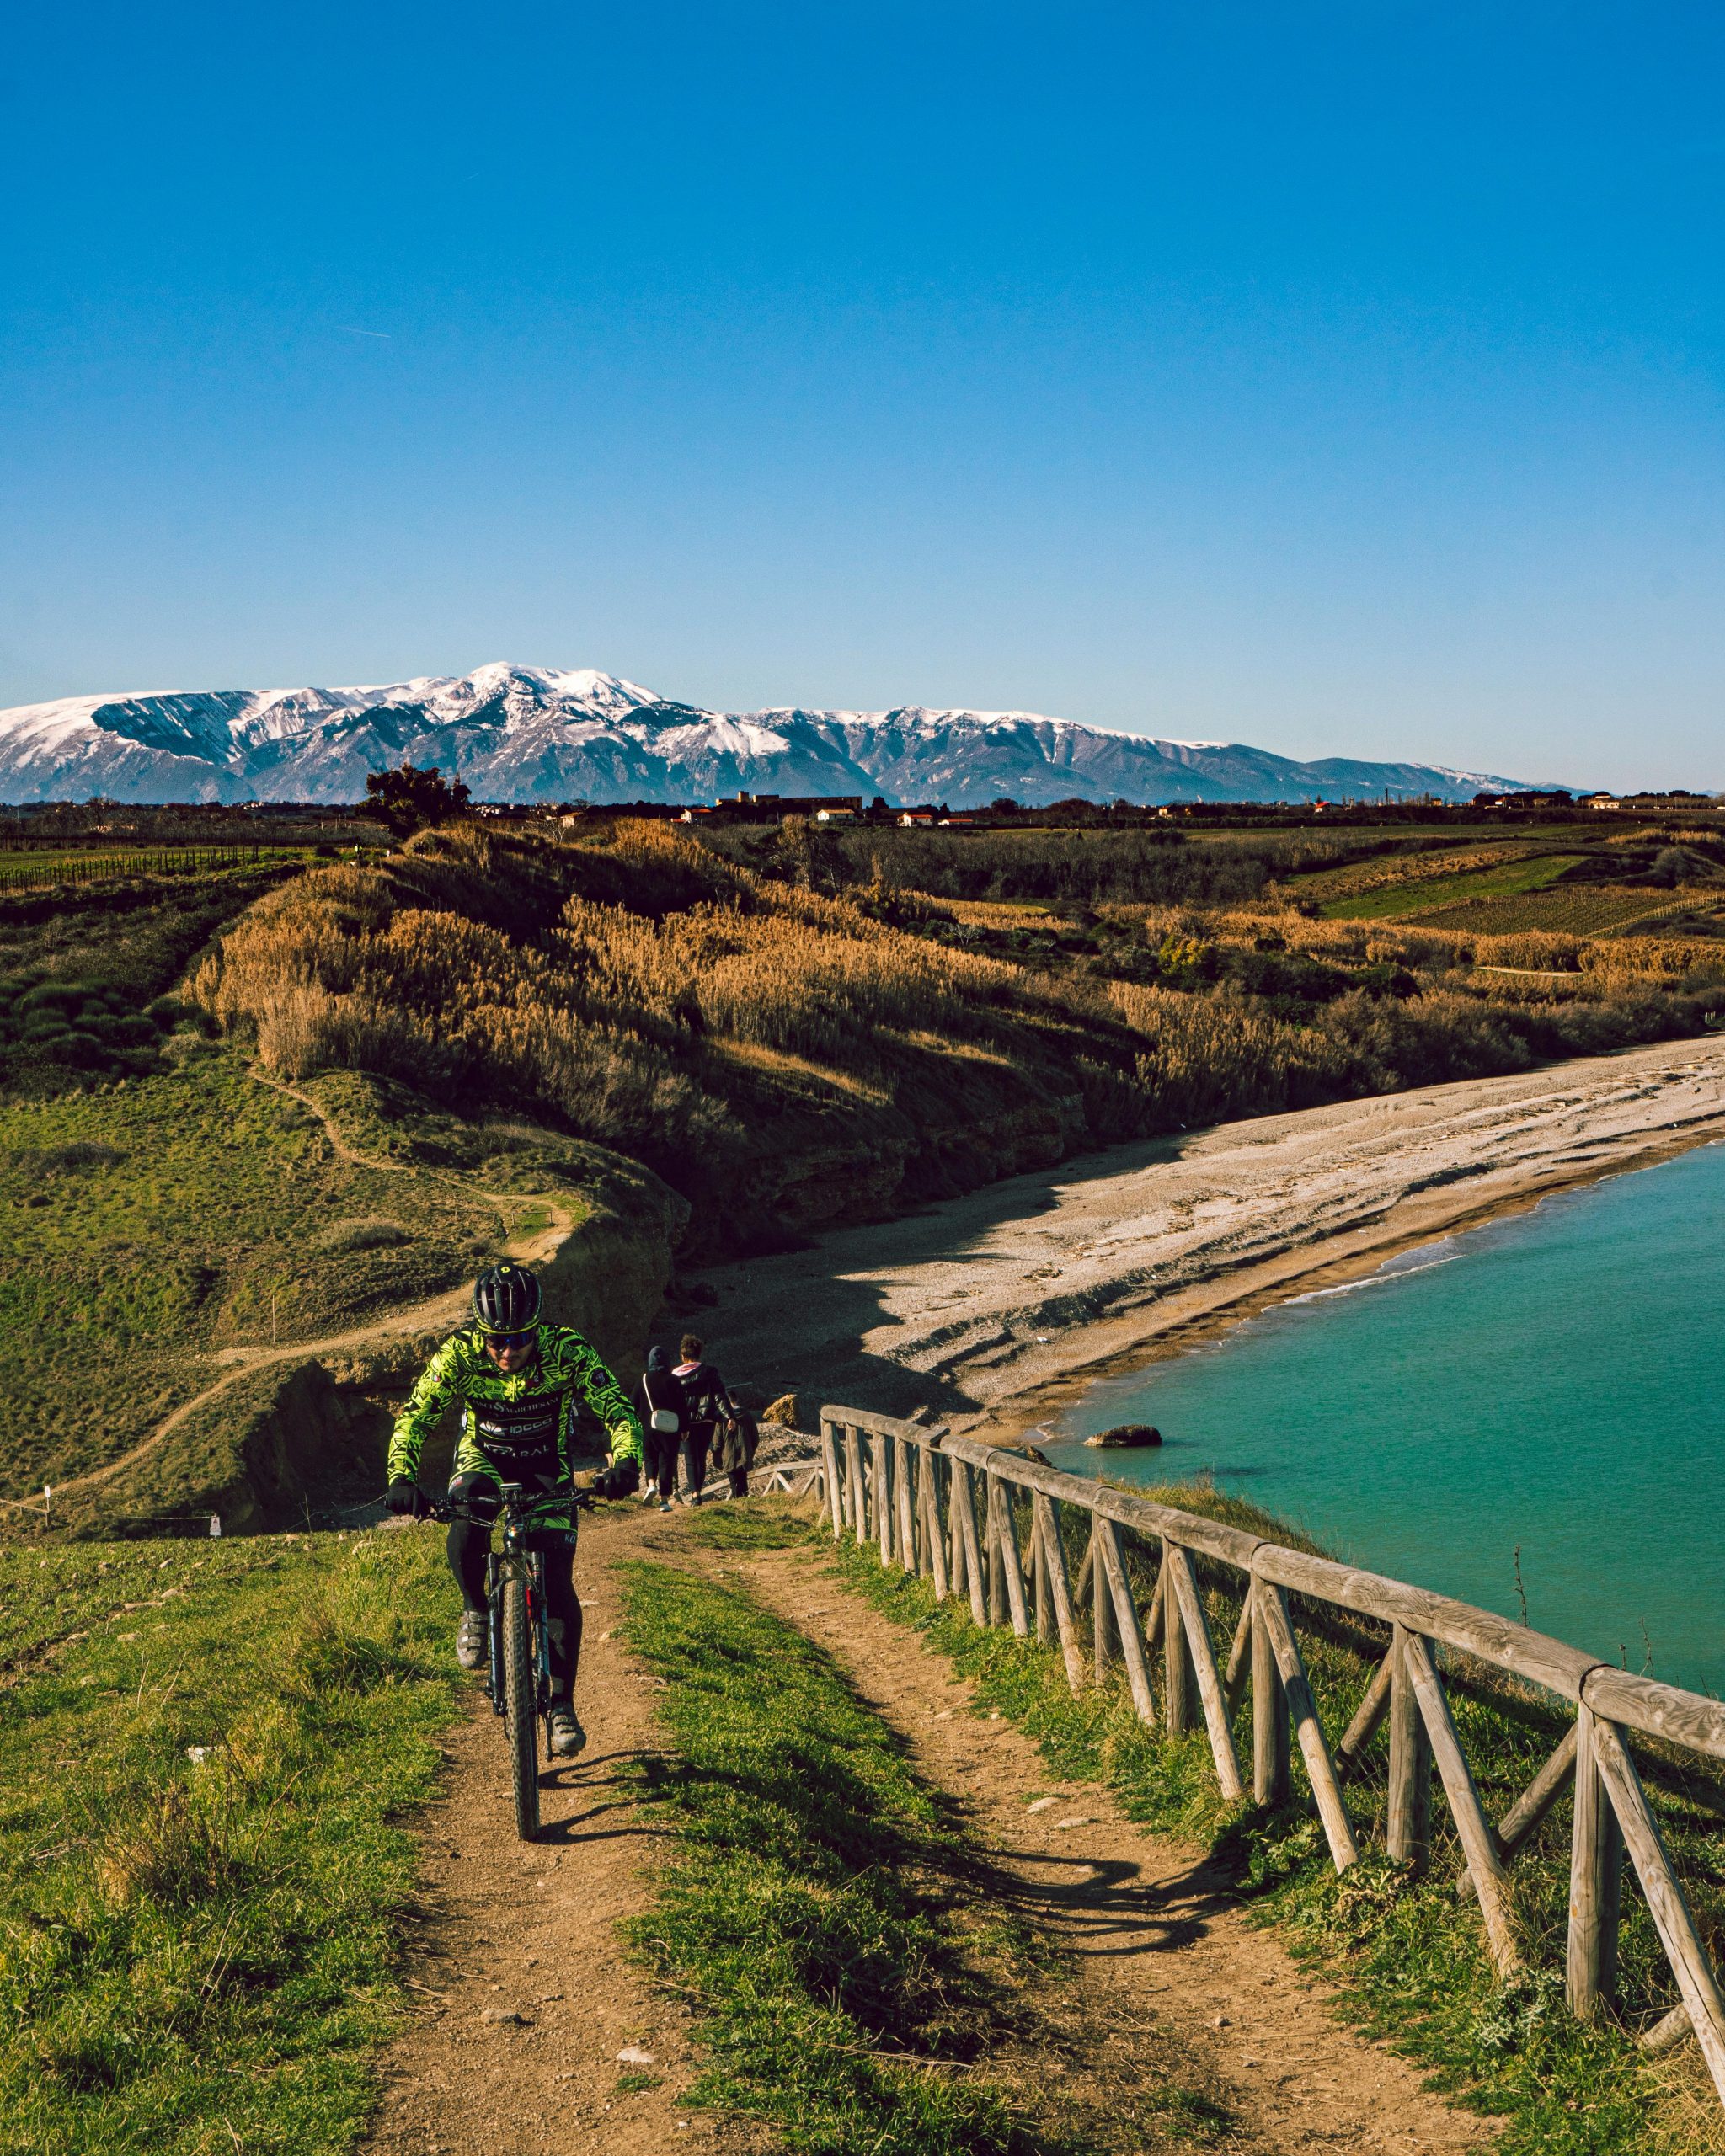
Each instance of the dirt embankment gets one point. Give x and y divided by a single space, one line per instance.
979 1304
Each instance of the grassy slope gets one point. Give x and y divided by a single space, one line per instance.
198 1955
1407 1956
145 1226
826 1917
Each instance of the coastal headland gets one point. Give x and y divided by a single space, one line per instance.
986 1309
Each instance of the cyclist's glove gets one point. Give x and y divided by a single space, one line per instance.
405 1495
621 1480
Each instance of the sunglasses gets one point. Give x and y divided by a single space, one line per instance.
503 1341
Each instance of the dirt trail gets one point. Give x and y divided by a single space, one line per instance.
435 1313
1157 1947
1152 1926
513 1929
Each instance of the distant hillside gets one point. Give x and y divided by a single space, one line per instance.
535 734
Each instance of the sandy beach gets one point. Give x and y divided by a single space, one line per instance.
988 1309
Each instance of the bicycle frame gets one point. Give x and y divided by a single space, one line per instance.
529 1566
519 1678
519 1514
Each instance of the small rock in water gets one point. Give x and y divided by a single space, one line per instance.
1128 1433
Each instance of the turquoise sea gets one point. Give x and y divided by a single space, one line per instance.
1553 1383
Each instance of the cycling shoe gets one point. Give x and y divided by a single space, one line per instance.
568 1736
470 1640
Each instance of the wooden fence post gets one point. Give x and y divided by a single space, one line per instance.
1177 1566
1269 1711
1665 1902
906 1510
1003 1545
932 1544
1595 1882
1102 1616
1113 1585
1239 1668
1409 1828
966 1510
859 1501
834 1492
1054 1576
881 1449
1296 1691
1367 1716
1179 1680
1490 1879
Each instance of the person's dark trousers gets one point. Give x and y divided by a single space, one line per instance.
696 1446
469 1540
662 1462
740 1482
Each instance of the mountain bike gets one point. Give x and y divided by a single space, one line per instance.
519 1676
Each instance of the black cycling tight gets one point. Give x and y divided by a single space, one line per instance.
469 1541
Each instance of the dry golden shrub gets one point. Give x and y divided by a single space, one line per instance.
657 997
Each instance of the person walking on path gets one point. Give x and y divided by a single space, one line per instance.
707 1405
662 1412
516 1380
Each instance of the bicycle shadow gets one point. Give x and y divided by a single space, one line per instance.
616 1781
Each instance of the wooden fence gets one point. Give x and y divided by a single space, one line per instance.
951 1511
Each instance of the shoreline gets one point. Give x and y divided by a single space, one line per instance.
1233 1300
991 1310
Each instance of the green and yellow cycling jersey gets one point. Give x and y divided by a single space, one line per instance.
513 1427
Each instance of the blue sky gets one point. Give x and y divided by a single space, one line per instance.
1340 379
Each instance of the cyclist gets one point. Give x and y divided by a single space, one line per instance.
515 1379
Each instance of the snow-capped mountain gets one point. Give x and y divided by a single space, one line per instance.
541 733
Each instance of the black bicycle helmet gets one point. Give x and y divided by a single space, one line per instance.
506 1299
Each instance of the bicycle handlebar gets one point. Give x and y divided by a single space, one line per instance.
570 1500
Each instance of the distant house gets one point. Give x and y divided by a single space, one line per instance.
913 816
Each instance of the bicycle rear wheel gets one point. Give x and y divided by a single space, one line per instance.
521 1718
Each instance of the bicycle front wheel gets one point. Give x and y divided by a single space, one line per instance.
521 1718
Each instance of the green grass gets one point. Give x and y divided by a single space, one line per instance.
1407 1957
51 867
143 1227
857 1988
1429 894
198 1955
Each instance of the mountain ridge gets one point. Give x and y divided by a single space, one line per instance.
549 733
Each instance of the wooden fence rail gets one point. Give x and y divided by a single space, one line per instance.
942 1507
